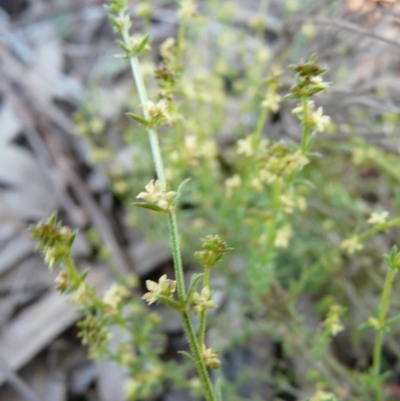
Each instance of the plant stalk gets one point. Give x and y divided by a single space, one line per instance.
384 305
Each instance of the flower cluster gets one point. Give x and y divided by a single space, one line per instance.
213 250
323 396
308 79
114 297
332 323
278 161
272 99
156 113
187 9
316 120
95 333
53 239
378 218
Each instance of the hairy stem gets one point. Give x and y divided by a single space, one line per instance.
173 229
383 308
196 352
306 126
203 316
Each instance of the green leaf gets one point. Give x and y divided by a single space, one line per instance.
72 239
193 286
180 190
142 44
149 206
84 274
184 353
218 390
123 46
170 302
393 320
138 119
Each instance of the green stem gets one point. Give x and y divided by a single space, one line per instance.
176 255
262 11
72 270
384 305
260 123
306 126
181 39
379 227
198 360
153 137
203 316
173 228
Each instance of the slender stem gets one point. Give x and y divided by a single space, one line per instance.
380 227
72 270
260 123
153 138
176 255
173 228
203 316
196 352
306 126
262 11
181 38
384 305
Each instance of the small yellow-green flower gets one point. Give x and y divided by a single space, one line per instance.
187 9
203 301
332 323
378 218
114 296
158 112
320 121
351 245
245 146
210 358
165 287
83 296
323 396
374 322
272 101
155 193
283 236
232 183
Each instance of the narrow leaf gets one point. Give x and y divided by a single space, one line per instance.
138 119
169 302
123 46
184 353
180 190
192 287
149 206
142 44
393 320
218 390
84 274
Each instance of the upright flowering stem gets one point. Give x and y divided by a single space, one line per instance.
153 138
383 308
306 125
176 255
203 314
159 166
173 229
195 347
